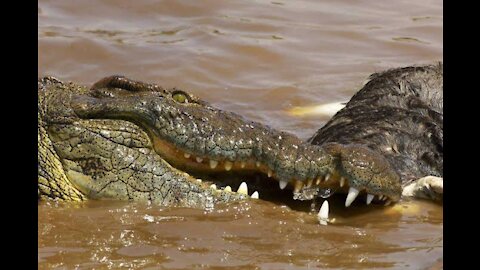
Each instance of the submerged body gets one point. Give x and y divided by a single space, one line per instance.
129 140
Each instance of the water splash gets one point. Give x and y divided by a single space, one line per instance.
326 192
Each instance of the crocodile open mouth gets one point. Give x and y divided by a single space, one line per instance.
255 179
213 145
249 177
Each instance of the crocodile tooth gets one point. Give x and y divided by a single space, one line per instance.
352 194
213 186
186 155
309 182
228 165
243 188
213 164
228 188
199 180
269 173
257 163
242 164
319 180
298 186
255 195
327 177
282 184
369 198
323 213
199 159
388 202
342 181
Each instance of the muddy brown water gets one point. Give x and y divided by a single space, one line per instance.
259 59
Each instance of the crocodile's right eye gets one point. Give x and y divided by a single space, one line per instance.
180 97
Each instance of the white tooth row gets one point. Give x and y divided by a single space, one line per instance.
299 184
242 189
228 164
213 163
353 193
322 215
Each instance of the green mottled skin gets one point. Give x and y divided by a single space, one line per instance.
81 159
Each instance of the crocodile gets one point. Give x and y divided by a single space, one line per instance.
123 139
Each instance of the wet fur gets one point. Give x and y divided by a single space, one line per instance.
398 113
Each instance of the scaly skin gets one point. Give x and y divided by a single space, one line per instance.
130 140
106 158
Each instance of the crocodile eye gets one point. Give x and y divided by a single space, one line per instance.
180 97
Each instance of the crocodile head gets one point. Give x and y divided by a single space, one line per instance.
124 139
